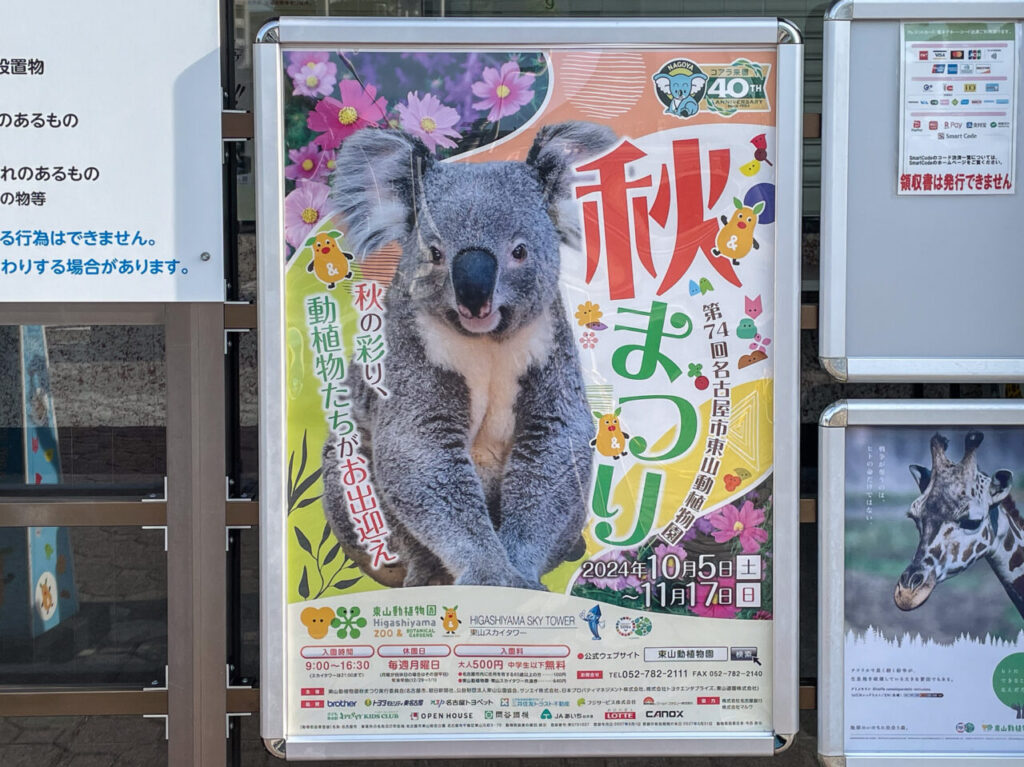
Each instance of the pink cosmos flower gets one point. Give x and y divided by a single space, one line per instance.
429 120
664 549
588 340
309 162
503 92
337 120
715 609
304 207
298 60
312 72
315 80
730 522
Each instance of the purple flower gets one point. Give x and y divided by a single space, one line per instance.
664 549
503 92
309 162
429 120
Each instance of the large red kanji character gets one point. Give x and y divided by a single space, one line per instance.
693 231
613 213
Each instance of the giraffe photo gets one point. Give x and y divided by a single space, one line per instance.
935 541
963 515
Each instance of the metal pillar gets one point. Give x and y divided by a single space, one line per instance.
197 702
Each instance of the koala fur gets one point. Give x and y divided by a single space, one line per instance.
481 454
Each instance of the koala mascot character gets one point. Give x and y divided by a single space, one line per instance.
481 453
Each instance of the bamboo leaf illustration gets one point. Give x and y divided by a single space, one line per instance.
303 542
307 483
345 584
332 554
299 485
304 583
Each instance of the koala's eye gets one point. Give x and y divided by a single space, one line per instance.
519 252
436 256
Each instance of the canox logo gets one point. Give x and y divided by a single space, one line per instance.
664 714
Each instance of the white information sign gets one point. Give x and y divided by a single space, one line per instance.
110 151
958 90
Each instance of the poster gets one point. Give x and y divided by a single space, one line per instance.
528 320
958 107
934 590
111 173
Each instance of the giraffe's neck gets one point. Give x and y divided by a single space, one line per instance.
1007 555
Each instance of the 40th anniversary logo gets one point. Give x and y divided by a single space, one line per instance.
682 86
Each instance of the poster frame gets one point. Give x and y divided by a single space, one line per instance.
435 34
836 194
831 559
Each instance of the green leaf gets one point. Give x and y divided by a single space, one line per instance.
304 583
342 585
326 535
308 482
332 554
303 541
307 502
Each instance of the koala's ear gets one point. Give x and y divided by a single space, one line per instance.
555 152
376 184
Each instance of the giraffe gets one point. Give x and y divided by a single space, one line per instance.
962 515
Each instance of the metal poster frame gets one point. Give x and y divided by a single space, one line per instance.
385 34
831 563
837 195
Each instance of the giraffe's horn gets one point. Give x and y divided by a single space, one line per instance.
971 443
939 445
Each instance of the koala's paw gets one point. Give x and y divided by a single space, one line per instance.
426 574
491 577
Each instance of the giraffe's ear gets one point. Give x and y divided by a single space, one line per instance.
1000 487
921 475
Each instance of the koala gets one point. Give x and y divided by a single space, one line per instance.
684 89
481 452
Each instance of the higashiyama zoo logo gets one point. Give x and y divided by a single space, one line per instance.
725 89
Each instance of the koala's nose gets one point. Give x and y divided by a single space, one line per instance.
473 276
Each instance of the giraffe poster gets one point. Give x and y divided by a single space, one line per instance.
934 590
